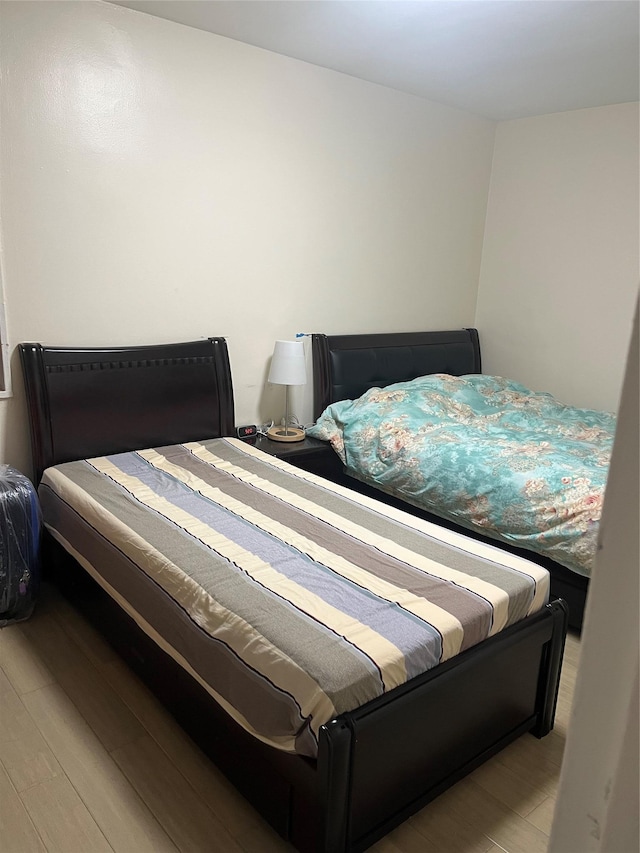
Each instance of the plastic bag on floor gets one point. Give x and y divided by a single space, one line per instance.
20 527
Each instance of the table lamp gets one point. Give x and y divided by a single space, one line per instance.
287 368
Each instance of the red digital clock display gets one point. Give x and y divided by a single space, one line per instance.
246 431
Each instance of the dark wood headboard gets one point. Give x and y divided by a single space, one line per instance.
345 366
89 402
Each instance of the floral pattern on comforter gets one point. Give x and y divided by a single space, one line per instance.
484 452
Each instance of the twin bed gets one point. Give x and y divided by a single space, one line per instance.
415 422
342 661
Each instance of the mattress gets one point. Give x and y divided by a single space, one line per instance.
289 598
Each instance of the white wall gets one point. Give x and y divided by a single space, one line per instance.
160 183
597 805
559 270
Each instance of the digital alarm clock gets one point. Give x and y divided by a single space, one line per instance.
247 431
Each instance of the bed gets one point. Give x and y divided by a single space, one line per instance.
141 439
482 453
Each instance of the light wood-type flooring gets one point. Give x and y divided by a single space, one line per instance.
90 761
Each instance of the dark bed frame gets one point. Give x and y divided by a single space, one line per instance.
376 766
345 366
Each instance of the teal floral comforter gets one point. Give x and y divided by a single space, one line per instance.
486 453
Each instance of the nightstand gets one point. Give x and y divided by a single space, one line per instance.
312 455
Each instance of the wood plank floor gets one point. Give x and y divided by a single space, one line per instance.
90 761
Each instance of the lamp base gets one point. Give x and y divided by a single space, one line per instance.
280 433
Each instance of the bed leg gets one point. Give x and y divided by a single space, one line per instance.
550 670
334 779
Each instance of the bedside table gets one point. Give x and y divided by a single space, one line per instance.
310 454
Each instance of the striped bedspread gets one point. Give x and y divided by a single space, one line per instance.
289 598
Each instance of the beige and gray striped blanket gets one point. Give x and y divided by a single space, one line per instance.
289 598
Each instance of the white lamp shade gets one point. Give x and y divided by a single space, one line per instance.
288 365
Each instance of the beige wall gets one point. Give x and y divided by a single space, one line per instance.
160 183
597 807
559 270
